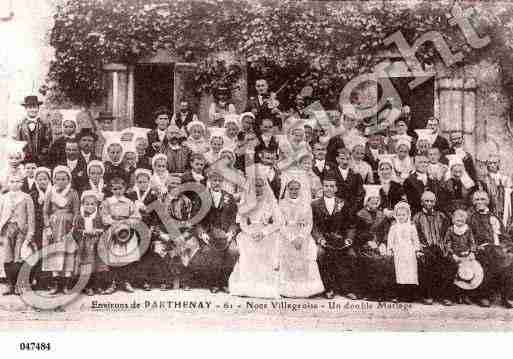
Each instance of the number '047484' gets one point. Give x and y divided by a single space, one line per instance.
33 346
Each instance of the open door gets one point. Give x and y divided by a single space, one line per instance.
153 87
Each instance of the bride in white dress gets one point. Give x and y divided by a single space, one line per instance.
299 272
257 272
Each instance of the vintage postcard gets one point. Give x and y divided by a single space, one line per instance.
256 165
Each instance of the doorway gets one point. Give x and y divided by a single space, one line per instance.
153 87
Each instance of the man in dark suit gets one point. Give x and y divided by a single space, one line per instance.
440 142
334 144
268 163
266 140
183 117
457 149
261 105
374 147
76 164
333 231
419 182
34 131
349 183
157 137
86 142
29 184
217 256
320 164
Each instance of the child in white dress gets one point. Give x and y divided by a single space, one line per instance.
403 244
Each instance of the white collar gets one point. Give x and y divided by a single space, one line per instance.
344 172
161 134
114 200
86 155
197 177
143 196
460 230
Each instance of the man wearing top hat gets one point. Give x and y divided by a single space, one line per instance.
34 131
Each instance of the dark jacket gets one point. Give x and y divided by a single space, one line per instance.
414 188
350 190
222 217
339 222
38 141
79 173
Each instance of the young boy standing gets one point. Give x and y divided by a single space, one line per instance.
17 225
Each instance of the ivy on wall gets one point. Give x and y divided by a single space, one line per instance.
320 44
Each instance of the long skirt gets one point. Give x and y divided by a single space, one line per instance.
64 259
88 253
256 273
299 272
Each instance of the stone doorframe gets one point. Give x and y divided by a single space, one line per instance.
119 86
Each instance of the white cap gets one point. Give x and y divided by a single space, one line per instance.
69 115
233 118
216 132
402 141
196 123
352 141
138 132
427 135
371 190
454 160
128 147
386 158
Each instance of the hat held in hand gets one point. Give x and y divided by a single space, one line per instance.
470 275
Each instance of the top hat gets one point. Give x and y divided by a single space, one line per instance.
470 275
31 101
87 132
105 116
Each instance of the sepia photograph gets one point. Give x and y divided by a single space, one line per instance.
256 165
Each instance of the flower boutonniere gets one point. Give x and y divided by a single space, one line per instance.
339 207
226 200
80 174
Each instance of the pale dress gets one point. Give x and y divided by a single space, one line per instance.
256 273
299 272
403 242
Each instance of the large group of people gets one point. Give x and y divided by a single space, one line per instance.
287 204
